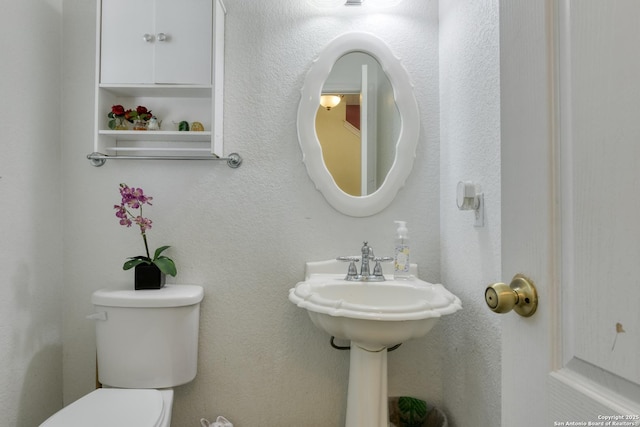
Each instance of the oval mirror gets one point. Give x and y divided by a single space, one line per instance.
358 124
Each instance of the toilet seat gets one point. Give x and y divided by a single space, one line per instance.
109 407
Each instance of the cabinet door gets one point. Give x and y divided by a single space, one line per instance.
125 55
185 55
156 41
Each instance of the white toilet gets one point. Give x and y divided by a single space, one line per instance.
147 342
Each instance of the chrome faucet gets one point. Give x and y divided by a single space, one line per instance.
365 271
367 254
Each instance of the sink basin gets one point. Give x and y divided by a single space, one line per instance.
373 316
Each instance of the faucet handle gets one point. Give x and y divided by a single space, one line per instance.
377 269
348 258
352 272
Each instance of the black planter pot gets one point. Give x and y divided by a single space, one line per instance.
148 276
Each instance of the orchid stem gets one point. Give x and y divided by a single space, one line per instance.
146 246
144 237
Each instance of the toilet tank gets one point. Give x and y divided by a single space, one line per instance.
147 338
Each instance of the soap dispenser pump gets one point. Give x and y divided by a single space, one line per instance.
401 259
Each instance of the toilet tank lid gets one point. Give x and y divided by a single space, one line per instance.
167 296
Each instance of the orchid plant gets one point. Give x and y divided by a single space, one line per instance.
133 199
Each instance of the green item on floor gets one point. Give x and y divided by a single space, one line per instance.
405 411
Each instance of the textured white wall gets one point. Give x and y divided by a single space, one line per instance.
245 234
470 257
30 213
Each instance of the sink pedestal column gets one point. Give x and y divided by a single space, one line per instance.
367 402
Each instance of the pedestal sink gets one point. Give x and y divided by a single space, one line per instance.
373 316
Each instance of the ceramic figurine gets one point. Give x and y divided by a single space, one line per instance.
154 123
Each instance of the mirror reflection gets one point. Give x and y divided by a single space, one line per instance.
358 124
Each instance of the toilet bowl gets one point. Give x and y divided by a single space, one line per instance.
147 343
110 407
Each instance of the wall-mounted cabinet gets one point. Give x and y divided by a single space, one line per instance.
168 56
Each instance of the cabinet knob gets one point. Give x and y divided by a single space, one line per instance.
147 37
161 37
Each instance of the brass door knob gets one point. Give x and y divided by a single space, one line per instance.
520 296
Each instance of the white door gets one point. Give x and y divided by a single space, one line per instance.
570 113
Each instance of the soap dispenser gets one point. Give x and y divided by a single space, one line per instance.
401 259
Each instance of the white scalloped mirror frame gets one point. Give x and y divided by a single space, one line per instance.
358 206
